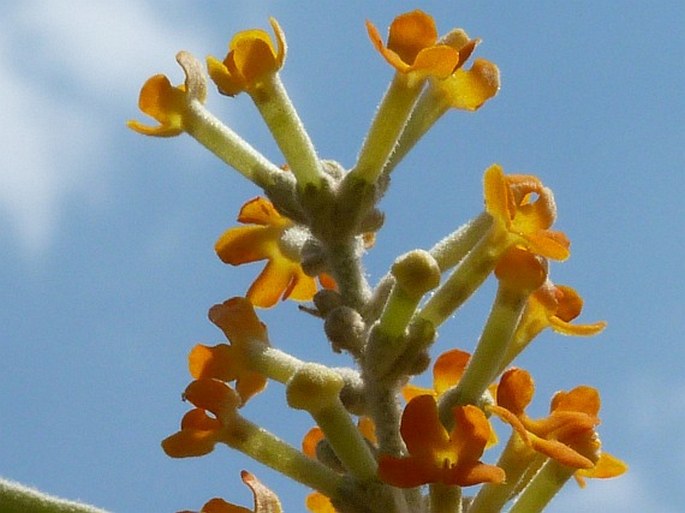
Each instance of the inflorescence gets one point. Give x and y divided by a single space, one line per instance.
381 444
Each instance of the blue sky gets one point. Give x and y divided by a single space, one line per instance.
107 268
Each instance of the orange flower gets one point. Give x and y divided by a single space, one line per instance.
265 501
519 219
318 503
553 306
200 432
436 456
273 237
251 57
413 48
470 89
237 319
168 104
567 434
447 371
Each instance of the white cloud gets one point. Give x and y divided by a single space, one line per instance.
69 77
625 493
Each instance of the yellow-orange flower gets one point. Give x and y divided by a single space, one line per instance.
436 456
237 319
273 237
567 434
520 218
200 432
413 48
553 306
318 503
169 104
251 57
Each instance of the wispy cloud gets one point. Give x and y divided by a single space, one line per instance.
68 76
627 493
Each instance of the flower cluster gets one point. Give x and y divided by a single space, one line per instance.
380 443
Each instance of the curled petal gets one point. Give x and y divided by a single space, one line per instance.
522 219
198 435
214 396
606 467
168 104
470 89
412 46
583 399
515 390
250 59
448 369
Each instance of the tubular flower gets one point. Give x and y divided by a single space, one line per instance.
554 306
273 237
168 104
567 434
200 432
237 319
436 456
470 89
251 57
265 501
467 89
520 220
413 48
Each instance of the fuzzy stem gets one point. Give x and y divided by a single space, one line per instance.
273 363
445 498
209 131
452 249
273 452
285 125
514 460
349 274
428 109
485 362
543 487
17 498
464 280
387 125
346 441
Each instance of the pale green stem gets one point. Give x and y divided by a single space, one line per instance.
462 283
515 348
387 340
17 498
273 363
285 125
273 452
428 109
347 442
484 364
445 498
543 487
387 125
452 249
514 460
227 145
